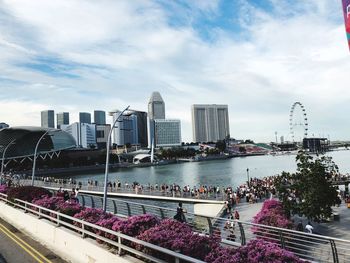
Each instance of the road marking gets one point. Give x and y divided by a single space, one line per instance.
24 245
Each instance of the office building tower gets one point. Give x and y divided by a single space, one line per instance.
210 122
99 117
85 117
62 118
83 133
156 106
131 129
167 133
48 119
102 132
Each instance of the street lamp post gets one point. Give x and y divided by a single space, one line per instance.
35 153
3 158
104 205
248 176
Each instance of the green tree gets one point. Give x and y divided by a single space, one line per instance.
309 191
221 145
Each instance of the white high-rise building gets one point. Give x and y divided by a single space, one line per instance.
210 122
167 133
83 133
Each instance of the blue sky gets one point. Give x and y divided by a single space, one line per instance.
256 56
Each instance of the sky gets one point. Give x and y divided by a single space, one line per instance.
256 56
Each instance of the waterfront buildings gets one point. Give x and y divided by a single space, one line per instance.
62 118
102 132
167 133
83 133
99 117
85 117
210 122
162 132
156 106
131 128
48 119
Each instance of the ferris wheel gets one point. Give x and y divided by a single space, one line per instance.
303 123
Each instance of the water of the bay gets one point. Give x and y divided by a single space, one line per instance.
219 173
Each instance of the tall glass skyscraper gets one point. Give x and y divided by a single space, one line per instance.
62 118
99 117
85 117
48 119
156 106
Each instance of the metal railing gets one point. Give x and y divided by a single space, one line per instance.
236 233
86 230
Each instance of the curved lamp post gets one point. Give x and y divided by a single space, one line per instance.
3 158
35 153
104 205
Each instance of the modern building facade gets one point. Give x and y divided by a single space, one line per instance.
62 118
85 117
83 133
48 119
131 129
102 132
156 106
167 133
210 122
99 117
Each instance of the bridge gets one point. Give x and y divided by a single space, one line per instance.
204 205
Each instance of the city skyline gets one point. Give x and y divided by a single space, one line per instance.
258 57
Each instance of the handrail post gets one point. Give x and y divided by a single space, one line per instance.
334 251
114 207
283 245
83 230
119 245
210 225
241 230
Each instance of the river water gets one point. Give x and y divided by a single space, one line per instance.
219 172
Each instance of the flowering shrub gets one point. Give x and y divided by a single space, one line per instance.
136 225
272 214
27 193
3 189
69 208
91 215
256 251
107 223
179 237
51 203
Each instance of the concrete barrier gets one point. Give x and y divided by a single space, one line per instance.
68 244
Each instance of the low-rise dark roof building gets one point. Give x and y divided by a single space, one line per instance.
25 139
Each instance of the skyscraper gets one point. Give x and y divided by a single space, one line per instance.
131 129
210 122
85 117
48 119
99 117
156 106
62 118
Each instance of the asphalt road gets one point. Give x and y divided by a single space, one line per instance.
16 247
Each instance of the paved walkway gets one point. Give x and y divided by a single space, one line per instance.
339 229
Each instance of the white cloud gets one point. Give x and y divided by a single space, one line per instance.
121 51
